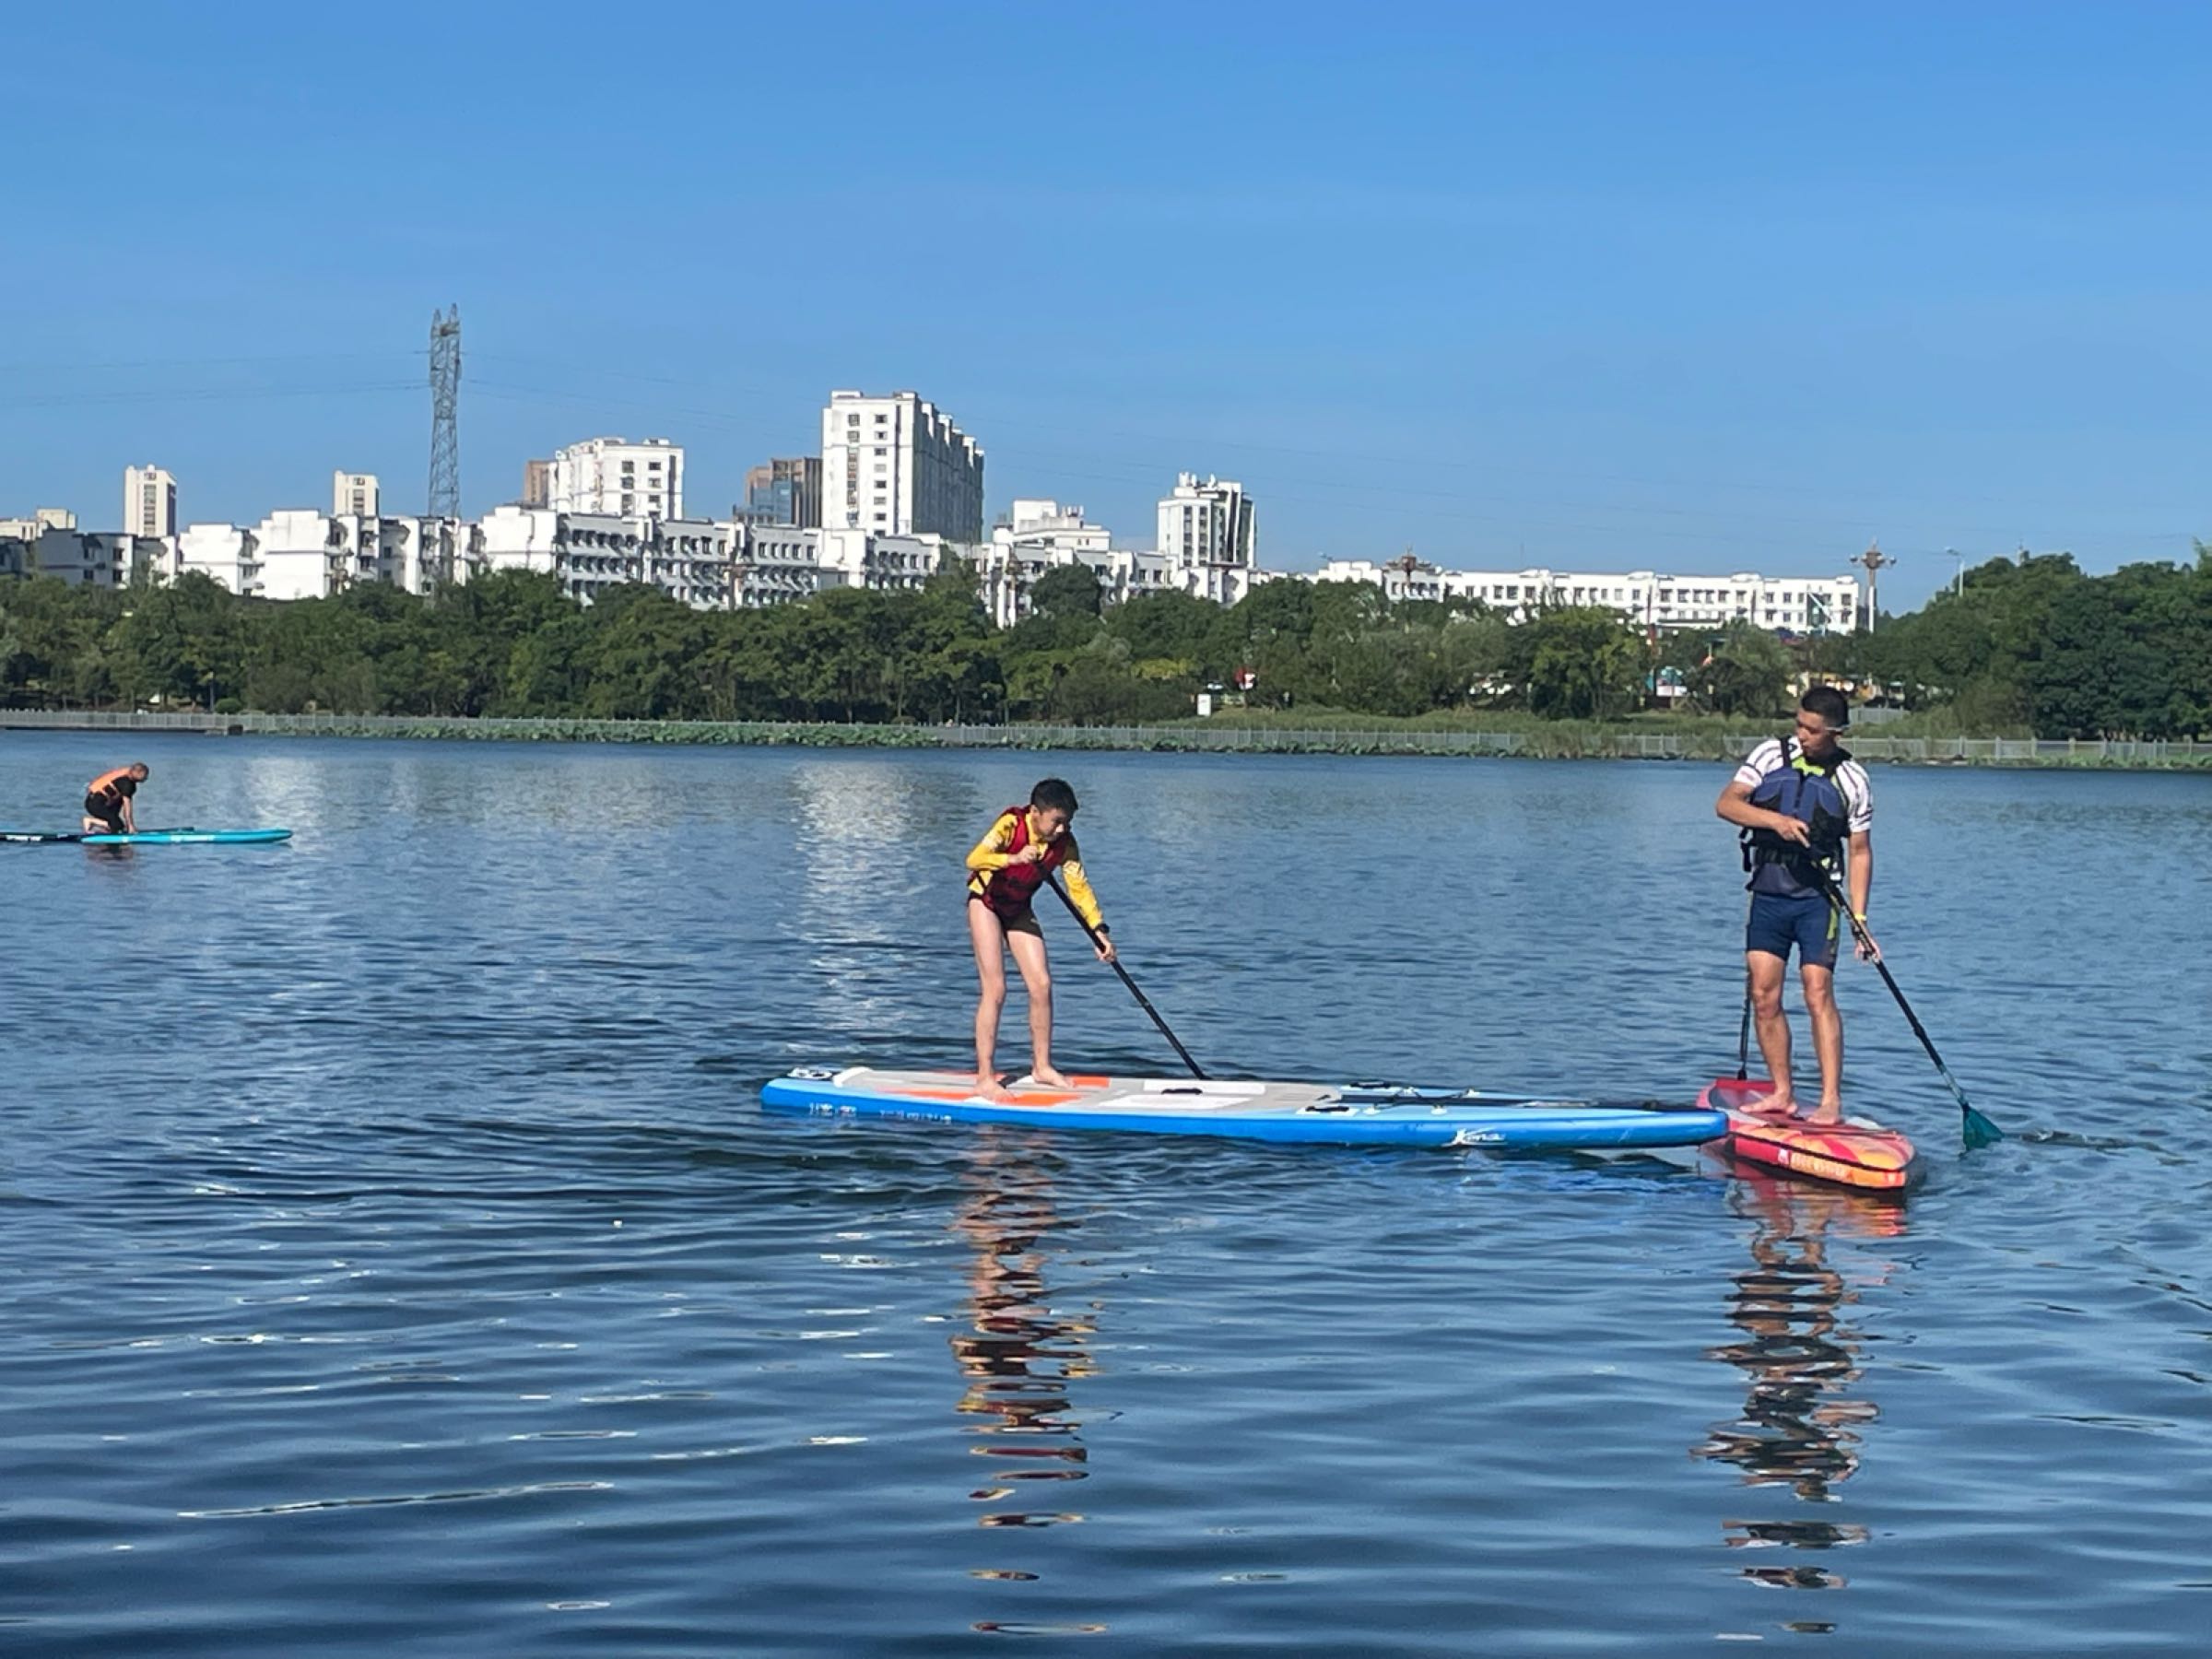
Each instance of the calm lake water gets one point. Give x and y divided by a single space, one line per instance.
399 1261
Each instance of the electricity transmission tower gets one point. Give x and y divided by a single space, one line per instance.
1875 561
445 414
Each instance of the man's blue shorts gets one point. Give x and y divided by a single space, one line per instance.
1811 923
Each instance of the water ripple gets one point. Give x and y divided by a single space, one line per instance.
412 1180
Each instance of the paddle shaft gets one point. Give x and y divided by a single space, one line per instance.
1743 1034
1142 1001
1979 1129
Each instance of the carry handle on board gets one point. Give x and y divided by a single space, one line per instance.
1096 939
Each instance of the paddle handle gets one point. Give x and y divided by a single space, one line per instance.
1142 1001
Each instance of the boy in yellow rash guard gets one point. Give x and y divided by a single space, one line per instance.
1004 870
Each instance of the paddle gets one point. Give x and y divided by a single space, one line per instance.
1743 1034
1978 1130
1097 938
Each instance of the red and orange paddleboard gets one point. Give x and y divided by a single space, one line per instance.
1852 1153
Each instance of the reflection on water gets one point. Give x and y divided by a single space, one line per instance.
1803 1422
1020 1353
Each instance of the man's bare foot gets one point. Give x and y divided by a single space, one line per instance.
1778 1103
1827 1111
987 1089
1050 1076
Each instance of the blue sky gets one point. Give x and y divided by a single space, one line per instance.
1703 288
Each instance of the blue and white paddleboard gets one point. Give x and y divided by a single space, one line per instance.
1355 1114
142 837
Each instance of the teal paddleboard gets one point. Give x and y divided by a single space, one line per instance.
145 838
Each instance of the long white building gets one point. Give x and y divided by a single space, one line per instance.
897 466
615 478
298 553
1648 599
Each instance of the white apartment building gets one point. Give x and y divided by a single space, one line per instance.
897 466
860 559
149 502
691 560
353 493
615 478
223 553
301 554
780 563
1042 527
41 520
712 565
1042 535
304 554
1207 522
1815 605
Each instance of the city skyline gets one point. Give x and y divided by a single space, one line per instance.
1716 292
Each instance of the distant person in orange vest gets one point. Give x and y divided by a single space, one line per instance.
1024 846
107 800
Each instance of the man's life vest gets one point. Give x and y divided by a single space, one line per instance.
1810 792
1011 888
113 785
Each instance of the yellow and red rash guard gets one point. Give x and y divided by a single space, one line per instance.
1008 888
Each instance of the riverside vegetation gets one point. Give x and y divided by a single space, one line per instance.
2032 646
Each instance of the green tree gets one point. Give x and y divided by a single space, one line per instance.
1069 590
1745 671
1583 663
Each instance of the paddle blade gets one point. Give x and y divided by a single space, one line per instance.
1978 1130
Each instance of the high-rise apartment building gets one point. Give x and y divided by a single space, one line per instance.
354 493
1207 522
787 491
537 483
897 466
614 477
149 502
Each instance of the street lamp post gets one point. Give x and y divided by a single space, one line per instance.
1875 561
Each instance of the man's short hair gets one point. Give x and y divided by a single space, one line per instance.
1051 794
1830 704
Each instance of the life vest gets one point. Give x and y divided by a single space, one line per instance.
113 785
1012 888
1809 791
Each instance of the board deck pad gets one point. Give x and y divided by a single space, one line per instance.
1852 1153
1383 1115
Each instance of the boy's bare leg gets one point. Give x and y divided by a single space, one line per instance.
1028 946
1773 1028
1827 1040
987 935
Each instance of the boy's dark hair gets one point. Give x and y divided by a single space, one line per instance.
1054 795
1828 702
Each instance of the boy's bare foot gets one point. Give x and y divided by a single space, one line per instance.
1051 1077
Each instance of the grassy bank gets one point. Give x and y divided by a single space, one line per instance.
1655 737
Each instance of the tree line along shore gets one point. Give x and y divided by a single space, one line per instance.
2028 648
